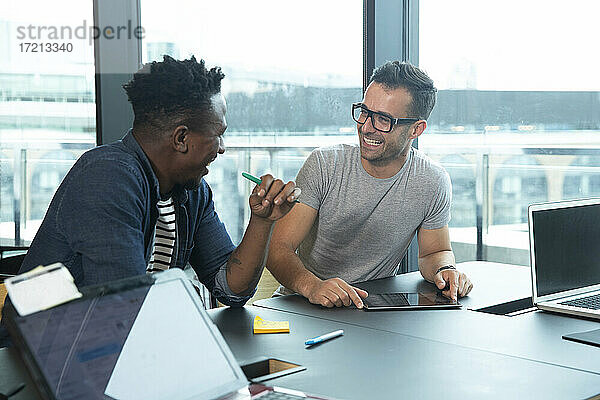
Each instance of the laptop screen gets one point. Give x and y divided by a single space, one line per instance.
150 342
566 248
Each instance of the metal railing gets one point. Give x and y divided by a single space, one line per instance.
494 179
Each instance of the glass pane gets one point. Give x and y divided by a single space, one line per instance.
518 113
292 75
47 106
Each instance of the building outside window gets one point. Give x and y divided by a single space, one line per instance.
47 107
292 73
517 118
518 113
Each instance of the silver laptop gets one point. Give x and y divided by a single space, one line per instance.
564 243
146 337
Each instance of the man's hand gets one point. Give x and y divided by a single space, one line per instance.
335 292
452 283
272 199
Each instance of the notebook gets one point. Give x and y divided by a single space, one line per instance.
564 243
146 337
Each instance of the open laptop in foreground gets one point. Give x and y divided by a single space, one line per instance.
564 242
147 337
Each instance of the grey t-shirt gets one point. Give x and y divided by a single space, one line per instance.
365 224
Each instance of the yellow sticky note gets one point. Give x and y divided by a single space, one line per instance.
262 326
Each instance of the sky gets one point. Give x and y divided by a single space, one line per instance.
511 44
314 37
484 45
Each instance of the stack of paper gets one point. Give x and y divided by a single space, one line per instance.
41 288
262 326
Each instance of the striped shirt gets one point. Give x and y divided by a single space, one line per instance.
164 237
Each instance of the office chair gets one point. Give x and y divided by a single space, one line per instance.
11 265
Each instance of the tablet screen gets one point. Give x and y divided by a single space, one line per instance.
408 301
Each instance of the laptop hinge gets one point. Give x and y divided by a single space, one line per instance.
568 293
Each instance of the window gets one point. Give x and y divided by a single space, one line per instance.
47 106
519 102
292 69
582 177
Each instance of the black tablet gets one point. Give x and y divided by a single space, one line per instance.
408 301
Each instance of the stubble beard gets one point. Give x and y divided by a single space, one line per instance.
397 152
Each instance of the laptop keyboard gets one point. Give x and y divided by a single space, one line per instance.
279 396
591 302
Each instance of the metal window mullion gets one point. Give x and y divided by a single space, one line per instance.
368 40
395 27
115 62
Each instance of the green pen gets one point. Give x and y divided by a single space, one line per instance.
256 180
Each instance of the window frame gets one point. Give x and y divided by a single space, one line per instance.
384 20
115 62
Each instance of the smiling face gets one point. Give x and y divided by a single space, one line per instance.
205 145
385 152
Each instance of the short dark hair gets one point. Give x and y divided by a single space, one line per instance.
396 74
172 92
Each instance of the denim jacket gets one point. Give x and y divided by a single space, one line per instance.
100 223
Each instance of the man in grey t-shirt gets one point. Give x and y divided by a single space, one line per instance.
361 205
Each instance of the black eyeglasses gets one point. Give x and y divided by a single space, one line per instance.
381 122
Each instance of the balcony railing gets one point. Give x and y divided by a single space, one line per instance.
495 177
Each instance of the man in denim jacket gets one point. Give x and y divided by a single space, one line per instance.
102 221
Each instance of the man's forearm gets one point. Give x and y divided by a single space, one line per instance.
430 263
288 269
247 261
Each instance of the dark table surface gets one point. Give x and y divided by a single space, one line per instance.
493 284
376 363
449 354
372 363
12 373
534 335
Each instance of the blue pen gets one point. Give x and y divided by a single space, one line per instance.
322 338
